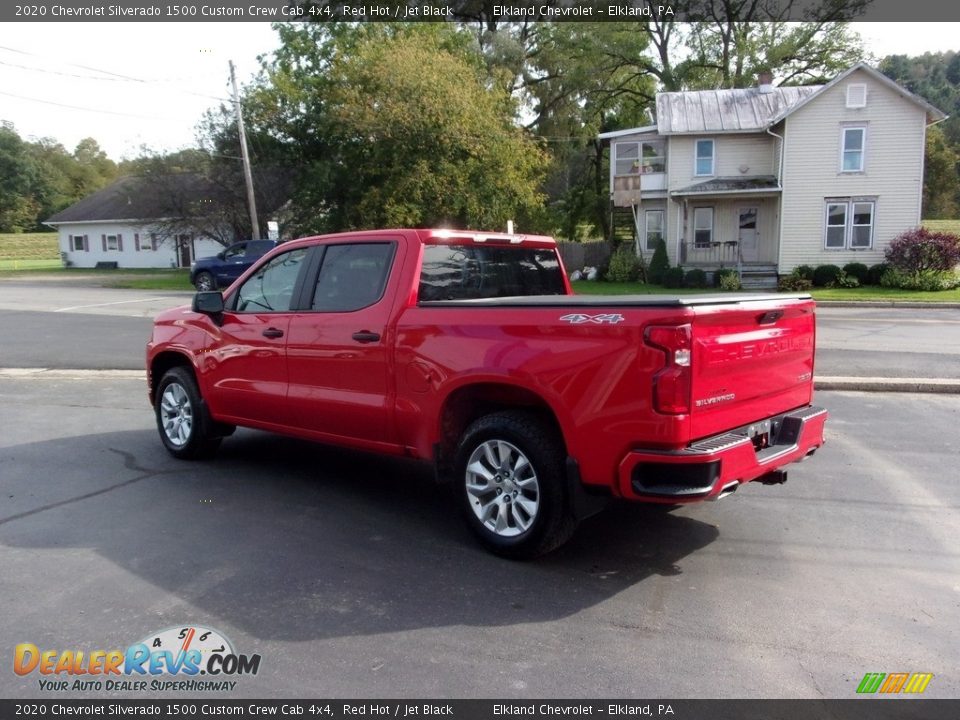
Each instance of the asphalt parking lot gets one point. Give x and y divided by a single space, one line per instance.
351 577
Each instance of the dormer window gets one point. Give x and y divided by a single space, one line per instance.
856 95
705 157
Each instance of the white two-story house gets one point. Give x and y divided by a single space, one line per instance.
768 178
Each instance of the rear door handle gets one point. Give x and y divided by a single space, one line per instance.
273 333
365 336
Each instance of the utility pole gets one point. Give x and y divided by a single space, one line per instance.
247 175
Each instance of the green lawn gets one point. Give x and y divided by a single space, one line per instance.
950 226
29 247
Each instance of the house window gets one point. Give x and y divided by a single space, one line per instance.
703 227
145 242
854 145
639 157
77 243
654 227
628 158
705 157
856 95
112 242
849 224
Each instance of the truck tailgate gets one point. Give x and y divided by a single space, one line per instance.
750 360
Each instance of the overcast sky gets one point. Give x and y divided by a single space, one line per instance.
134 84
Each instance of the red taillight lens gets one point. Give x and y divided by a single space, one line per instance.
671 386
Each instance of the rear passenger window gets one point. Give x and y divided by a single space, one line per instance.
465 272
352 276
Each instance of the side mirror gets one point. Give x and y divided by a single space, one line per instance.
221 255
209 303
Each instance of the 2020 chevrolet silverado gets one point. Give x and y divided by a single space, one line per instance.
468 350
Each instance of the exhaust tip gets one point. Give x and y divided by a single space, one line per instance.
774 477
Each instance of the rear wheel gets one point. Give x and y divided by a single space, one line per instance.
185 426
204 282
509 470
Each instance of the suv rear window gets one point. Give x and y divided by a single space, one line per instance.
467 272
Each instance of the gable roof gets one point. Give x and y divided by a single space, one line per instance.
933 114
142 198
727 111
745 110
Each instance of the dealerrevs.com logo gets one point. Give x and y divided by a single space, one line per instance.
192 658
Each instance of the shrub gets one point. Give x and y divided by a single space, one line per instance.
845 281
794 282
928 281
727 279
804 271
875 273
624 266
920 251
730 281
659 263
673 277
857 270
825 275
695 278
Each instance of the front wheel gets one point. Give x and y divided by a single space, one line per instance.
204 282
185 427
509 467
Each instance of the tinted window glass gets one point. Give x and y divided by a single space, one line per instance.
352 276
270 289
259 247
234 251
460 272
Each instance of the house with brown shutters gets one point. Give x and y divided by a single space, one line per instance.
767 178
159 221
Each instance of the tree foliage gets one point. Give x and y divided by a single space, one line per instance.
39 178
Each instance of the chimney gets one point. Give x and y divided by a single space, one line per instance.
765 81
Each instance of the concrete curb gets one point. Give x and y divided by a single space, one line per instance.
881 384
904 304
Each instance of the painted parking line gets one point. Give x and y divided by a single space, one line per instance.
117 302
67 374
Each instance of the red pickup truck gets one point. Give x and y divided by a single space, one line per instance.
469 351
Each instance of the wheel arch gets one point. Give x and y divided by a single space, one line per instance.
469 402
161 363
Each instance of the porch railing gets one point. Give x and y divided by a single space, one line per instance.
715 253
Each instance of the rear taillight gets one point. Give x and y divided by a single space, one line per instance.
671 386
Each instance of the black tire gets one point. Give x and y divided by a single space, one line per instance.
204 281
185 426
486 496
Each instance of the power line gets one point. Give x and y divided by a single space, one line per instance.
115 77
78 107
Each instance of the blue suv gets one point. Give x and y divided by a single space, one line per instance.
218 271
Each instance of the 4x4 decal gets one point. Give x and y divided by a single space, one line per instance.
581 318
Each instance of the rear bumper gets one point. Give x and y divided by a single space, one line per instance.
719 464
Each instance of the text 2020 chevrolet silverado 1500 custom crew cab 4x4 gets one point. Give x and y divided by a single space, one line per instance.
468 350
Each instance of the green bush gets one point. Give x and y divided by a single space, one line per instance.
659 264
845 281
927 281
875 273
857 270
695 278
794 282
673 277
825 275
722 273
624 266
804 271
730 281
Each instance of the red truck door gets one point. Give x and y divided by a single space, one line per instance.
245 367
337 351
